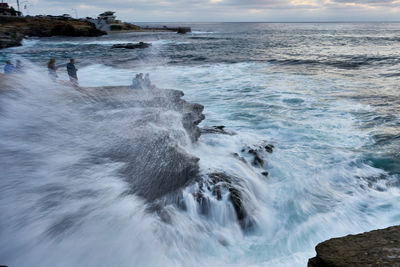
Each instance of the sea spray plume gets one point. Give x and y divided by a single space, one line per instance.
62 169
77 161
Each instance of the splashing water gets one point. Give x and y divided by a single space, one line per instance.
333 170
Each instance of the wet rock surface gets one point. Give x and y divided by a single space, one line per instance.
375 248
151 149
139 45
220 183
258 153
216 130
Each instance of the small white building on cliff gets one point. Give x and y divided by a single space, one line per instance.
106 21
107 16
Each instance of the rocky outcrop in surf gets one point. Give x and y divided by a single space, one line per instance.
132 45
216 130
13 29
155 162
375 248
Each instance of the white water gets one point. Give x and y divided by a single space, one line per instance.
61 210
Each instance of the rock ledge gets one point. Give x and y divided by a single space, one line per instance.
375 248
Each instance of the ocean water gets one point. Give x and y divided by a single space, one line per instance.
326 95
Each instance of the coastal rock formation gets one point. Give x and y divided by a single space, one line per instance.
219 184
153 155
375 248
183 30
13 29
132 45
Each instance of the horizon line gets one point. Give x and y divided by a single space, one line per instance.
344 21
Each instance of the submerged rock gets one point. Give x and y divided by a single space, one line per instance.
269 148
216 130
132 45
375 248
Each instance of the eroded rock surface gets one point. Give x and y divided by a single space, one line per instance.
375 248
152 144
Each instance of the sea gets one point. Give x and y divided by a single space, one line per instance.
326 95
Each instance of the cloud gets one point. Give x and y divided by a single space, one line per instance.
225 10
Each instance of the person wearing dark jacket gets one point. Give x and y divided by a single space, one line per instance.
71 69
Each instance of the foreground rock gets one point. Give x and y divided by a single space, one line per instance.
152 147
132 45
13 29
375 248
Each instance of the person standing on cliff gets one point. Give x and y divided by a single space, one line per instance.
51 67
9 68
71 69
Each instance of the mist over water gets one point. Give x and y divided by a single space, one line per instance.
326 96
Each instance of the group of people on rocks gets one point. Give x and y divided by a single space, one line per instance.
137 83
141 83
71 70
9 68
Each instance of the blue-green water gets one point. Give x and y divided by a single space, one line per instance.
326 95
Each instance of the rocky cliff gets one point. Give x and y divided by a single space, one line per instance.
375 248
13 29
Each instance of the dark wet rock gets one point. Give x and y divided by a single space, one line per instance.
375 248
265 173
219 183
258 153
139 45
183 30
269 148
216 130
236 199
257 161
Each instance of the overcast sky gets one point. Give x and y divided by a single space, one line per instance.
222 10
